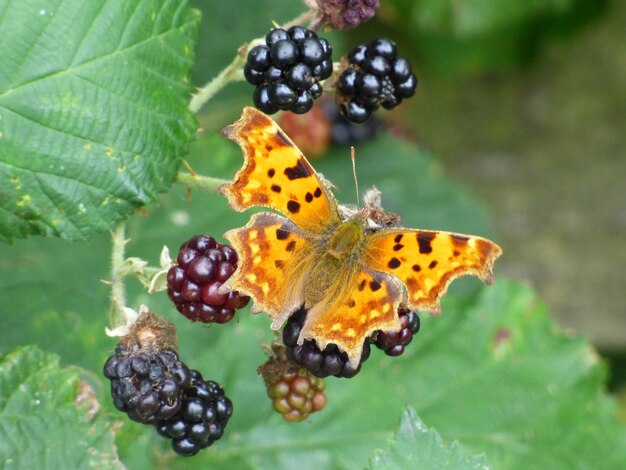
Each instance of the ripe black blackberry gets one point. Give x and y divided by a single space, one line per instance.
203 265
393 343
343 132
201 419
295 392
287 70
330 361
146 384
374 76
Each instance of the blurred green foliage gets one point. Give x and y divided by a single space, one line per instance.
481 35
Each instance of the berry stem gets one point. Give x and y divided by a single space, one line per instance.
117 315
195 181
234 71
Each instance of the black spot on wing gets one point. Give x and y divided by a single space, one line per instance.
393 263
275 188
308 197
293 207
279 263
351 303
317 192
398 238
362 284
424 240
282 234
375 285
398 247
271 172
298 171
417 268
291 245
432 264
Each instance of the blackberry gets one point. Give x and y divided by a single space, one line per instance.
203 265
344 132
146 384
374 76
287 70
393 343
201 419
294 391
330 361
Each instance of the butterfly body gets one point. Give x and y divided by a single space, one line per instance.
351 273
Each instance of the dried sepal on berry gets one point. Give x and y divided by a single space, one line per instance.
150 332
294 391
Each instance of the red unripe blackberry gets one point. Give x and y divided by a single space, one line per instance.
294 391
287 70
146 384
202 266
330 361
201 419
393 343
374 76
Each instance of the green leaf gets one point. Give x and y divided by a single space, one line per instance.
48 419
93 111
417 447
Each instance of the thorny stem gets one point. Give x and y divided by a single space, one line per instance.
117 315
234 70
195 181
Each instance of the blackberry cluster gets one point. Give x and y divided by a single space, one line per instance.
203 265
147 385
393 343
295 392
375 76
288 69
201 419
330 361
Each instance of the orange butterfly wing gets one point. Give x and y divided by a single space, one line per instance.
274 261
358 304
427 261
276 174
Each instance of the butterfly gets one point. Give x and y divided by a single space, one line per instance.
351 272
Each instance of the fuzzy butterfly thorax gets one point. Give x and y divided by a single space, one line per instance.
350 268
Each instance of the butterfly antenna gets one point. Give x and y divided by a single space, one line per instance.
356 181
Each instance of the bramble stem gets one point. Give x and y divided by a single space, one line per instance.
195 181
234 70
117 315
231 73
